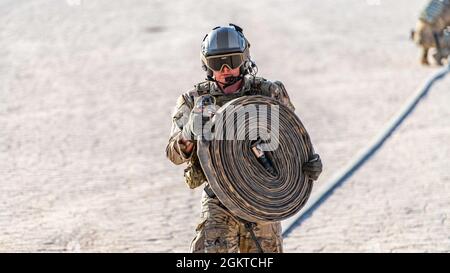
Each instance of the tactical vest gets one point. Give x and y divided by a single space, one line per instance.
194 175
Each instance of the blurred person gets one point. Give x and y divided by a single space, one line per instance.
231 73
430 30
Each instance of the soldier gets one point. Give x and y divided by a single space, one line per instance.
429 30
230 73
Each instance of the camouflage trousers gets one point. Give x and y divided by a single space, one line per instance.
220 232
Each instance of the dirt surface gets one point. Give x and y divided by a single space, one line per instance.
87 89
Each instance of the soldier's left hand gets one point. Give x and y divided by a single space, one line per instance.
313 167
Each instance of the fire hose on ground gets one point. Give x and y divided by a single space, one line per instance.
364 155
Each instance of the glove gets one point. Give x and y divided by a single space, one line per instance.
202 112
262 158
313 167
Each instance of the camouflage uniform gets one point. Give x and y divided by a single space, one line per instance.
429 30
219 230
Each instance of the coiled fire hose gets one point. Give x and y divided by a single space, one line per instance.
235 174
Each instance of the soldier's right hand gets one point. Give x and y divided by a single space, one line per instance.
186 146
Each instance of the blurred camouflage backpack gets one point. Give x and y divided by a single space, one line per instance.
434 10
193 174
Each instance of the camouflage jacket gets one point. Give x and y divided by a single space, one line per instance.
193 174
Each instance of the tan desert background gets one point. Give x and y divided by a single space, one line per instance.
86 94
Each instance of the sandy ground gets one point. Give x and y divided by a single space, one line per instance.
400 201
87 89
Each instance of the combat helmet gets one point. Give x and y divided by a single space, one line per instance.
226 46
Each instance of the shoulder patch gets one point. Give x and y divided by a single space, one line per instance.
258 81
265 86
188 97
280 94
